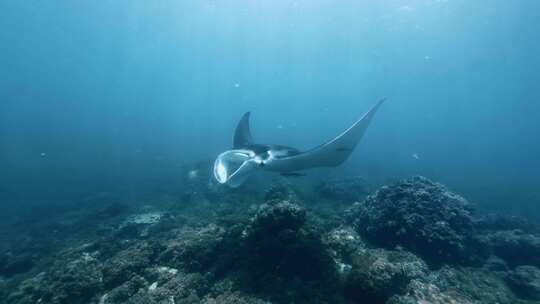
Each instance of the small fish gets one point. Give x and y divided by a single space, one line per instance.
292 174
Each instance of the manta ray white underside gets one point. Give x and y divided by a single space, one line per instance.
234 166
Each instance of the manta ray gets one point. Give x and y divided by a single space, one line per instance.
234 166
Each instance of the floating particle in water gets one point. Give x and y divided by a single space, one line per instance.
193 174
279 126
237 85
43 154
416 156
427 57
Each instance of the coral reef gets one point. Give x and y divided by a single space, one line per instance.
377 274
128 263
282 251
420 215
457 285
194 249
342 243
525 281
75 278
410 242
514 246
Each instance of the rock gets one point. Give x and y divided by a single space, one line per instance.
143 225
148 218
420 215
193 249
514 246
346 190
525 282
378 274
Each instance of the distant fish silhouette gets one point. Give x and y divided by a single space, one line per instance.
234 166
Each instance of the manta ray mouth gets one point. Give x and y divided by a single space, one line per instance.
233 167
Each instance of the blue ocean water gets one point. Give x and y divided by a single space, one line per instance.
121 96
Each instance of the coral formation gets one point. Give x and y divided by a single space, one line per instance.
525 281
377 274
420 215
194 249
457 285
514 246
411 242
76 278
282 250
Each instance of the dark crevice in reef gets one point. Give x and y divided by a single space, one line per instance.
413 241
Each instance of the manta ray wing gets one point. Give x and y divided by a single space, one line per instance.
332 153
242 134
